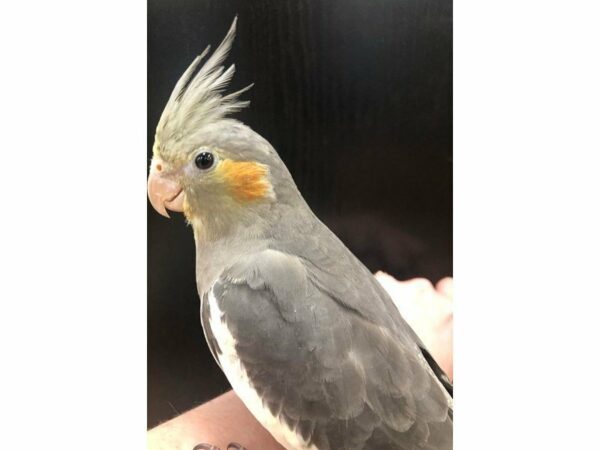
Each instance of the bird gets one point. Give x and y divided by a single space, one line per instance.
307 337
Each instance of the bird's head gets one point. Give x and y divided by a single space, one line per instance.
214 169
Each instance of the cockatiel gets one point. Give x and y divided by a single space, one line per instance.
307 337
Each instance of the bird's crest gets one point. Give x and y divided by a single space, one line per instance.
197 99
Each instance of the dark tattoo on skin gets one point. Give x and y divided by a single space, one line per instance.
231 446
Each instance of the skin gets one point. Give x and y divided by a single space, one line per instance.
225 419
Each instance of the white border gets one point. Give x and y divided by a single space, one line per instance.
73 233
527 224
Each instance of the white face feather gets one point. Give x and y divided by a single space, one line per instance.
197 100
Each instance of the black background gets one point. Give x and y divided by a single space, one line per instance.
356 96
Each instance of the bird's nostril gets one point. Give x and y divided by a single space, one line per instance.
159 167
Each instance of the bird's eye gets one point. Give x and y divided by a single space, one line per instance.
204 160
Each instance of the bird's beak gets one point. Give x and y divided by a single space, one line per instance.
163 192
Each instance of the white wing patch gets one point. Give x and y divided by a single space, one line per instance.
238 378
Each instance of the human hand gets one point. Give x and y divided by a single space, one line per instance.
428 310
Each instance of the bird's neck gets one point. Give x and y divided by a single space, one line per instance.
214 253
223 241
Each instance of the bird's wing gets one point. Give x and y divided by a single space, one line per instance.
339 379
342 277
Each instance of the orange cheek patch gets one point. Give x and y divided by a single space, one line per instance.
247 181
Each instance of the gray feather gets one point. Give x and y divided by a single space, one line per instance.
340 374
